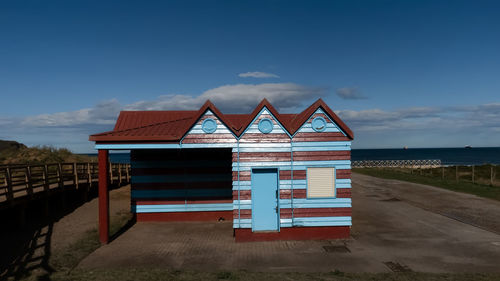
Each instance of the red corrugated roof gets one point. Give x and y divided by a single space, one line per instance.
170 126
135 119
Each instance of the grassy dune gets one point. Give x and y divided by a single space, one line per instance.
12 152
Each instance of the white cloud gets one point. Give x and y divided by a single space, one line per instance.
466 118
350 93
237 98
258 74
71 129
423 126
104 113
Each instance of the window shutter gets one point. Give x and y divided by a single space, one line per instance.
320 182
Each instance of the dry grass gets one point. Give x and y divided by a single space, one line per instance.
446 178
136 274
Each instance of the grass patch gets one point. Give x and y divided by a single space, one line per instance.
65 260
434 177
137 274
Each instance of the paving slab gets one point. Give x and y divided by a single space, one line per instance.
390 232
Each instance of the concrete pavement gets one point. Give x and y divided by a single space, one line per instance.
397 226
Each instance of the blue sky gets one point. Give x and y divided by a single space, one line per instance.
415 73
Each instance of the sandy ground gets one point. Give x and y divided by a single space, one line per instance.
71 227
29 248
397 226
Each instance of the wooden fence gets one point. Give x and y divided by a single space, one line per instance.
19 182
431 163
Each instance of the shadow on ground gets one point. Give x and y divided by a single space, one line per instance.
26 232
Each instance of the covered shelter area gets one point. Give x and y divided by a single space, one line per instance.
275 176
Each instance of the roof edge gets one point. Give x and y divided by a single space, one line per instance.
291 127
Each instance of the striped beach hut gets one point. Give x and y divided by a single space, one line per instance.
275 176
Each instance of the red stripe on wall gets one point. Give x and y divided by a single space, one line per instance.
302 193
297 174
297 193
242 173
264 154
301 174
244 195
263 140
186 216
208 140
244 214
210 136
242 178
315 212
320 153
263 159
274 136
343 193
343 173
320 158
319 138
322 134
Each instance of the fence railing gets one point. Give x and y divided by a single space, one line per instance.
430 163
28 180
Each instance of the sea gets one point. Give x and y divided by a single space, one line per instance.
448 156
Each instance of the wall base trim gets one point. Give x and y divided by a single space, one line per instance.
186 216
293 233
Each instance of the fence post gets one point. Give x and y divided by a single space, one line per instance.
491 175
29 184
442 173
472 174
45 176
119 173
89 173
60 175
75 175
10 191
110 173
456 173
127 173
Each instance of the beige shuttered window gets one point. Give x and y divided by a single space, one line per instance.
320 182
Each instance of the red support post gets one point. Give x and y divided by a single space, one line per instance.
103 196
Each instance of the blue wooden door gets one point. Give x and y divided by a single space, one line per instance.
264 199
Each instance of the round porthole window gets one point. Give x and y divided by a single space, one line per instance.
319 124
209 126
265 125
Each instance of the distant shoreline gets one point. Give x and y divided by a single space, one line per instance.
448 156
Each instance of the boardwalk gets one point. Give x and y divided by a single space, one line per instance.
21 183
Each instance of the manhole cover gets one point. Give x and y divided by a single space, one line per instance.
336 249
397 267
393 199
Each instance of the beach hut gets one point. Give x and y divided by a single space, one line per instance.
275 176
